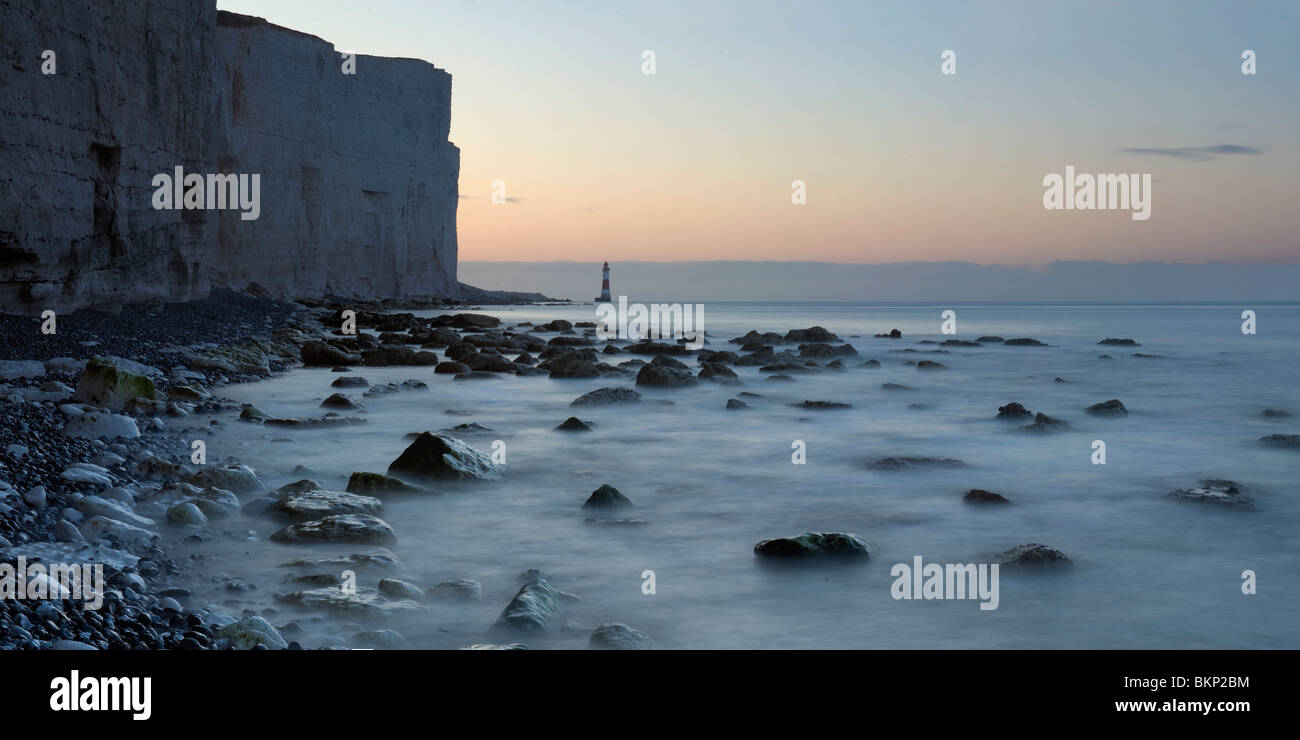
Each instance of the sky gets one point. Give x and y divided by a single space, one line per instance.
901 162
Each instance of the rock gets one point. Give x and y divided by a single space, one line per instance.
461 588
381 559
395 589
574 365
87 473
252 413
1023 342
1044 424
1113 407
980 496
350 381
236 478
958 343
381 639
815 544
662 375
1013 410
365 603
716 371
65 531
1120 342
573 424
321 354
340 401
35 497
735 403
16 451
1275 414
71 645
823 405
439 457
132 537
476 375
813 334
1218 491
616 636
606 496
990 339
1146 356
450 367
319 503
870 363
251 631
187 513
109 384
535 608
100 425
96 506
605 396
930 365
15 369
374 484
490 646
348 528
894 387
893 334
908 463
1033 554
1283 441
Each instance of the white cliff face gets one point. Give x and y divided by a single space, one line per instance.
358 183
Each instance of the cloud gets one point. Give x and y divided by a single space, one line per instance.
1197 153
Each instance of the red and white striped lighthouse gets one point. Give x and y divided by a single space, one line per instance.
604 285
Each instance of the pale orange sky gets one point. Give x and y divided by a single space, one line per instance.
901 162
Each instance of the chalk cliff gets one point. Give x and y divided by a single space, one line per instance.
358 181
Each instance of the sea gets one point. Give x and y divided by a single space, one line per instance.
708 482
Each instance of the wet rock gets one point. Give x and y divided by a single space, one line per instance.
1227 493
236 478
535 608
250 632
1282 441
450 367
15 369
929 365
110 384
320 503
350 381
380 559
735 403
870 363
1113 407
958 343
380 639
1275 414
893 334
340 401
616 636
132 537
990 339
187 513
815 544
580 364
1013 410
438 457
1023 342
395 589
716 371
101 425
462 589
1033 554
981 496
321 354
660 374
1146 356
894 387
348 528
606 496
1120 342
1044 424
822 405
909 463
365 603
573 424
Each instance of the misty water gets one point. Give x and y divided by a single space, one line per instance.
1149 572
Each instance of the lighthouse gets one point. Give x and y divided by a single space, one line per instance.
604 285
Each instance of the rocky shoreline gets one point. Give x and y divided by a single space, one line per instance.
94 413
